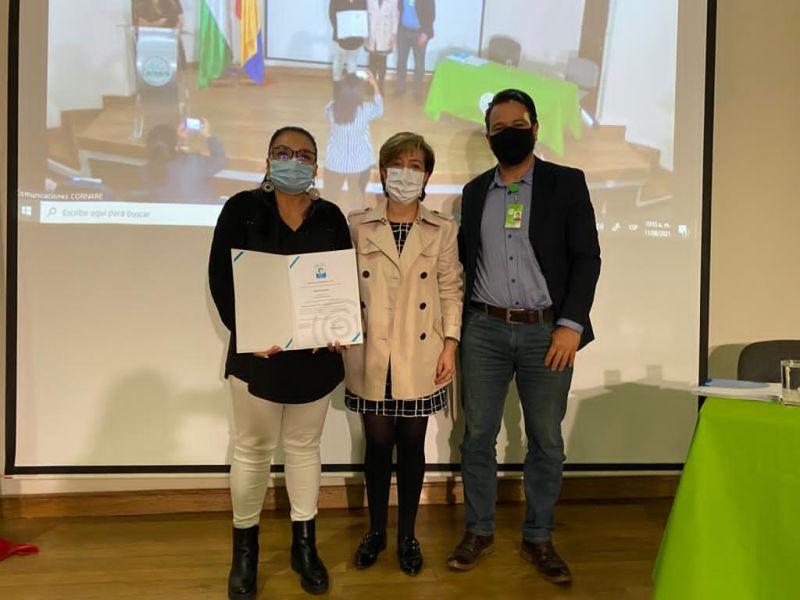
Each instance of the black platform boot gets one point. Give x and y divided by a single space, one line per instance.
313 574
243 577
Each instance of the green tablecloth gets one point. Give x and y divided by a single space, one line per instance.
461 89
735 524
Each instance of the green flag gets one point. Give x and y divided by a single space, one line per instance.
214 41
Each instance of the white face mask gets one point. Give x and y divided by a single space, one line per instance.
404 185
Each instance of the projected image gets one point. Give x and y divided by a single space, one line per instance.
166 112
139 119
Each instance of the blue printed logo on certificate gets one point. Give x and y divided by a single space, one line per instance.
321 272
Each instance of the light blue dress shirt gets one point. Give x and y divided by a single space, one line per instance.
410 20
508 274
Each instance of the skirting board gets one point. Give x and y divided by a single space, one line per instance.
152 502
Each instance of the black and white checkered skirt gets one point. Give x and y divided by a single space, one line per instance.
418 407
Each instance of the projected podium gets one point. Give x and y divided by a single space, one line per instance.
160 94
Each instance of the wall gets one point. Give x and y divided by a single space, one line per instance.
549 31
755 220
110 63
649 116
300 30
756 155
3 222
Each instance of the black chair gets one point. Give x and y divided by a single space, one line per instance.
761 361
504 50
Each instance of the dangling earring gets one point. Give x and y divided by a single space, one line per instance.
267 185
313 192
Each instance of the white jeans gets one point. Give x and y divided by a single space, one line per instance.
344 59
258 427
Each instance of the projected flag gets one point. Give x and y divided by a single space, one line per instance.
252 50
215 52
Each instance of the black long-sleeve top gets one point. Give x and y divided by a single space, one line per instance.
250 221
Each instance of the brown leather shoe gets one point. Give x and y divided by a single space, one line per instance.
547 561
465 556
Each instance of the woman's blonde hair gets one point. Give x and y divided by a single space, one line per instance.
399 144
403 142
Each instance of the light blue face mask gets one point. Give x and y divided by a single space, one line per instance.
290 176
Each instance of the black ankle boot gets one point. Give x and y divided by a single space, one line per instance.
313 574
243 577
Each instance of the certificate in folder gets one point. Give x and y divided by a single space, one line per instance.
295 302
351 23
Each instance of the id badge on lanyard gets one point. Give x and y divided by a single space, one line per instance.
515 209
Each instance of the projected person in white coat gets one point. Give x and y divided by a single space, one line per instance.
278 397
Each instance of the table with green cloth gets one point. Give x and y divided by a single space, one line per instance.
464 90
734 528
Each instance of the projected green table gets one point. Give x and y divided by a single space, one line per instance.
734 530
464 91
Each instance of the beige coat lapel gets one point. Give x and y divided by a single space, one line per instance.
419 238
380 233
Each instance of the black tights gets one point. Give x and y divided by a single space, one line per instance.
382 433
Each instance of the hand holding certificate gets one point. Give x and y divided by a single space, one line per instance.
295 302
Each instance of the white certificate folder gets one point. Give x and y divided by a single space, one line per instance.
295 302
351 23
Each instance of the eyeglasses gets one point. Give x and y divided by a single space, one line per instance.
284 153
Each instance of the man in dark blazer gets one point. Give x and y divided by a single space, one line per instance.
414 33
528 243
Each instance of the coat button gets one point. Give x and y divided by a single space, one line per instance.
363 305
424 275
423 306
365 274
423 336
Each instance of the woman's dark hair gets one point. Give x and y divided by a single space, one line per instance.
512 95
348 95
162 146
292 129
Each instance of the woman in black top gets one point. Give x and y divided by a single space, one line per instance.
277 396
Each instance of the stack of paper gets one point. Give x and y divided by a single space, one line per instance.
468 59
733 388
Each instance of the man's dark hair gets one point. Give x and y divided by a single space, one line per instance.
293 129
512 95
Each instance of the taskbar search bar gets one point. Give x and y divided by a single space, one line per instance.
128 213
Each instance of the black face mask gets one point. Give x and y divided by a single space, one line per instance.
511 146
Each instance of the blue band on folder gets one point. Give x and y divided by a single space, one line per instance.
294 262
238 256
289 343
358 335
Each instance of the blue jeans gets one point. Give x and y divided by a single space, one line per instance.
408 40
492 352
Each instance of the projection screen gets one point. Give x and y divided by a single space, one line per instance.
119 350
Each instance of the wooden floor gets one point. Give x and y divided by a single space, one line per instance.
609 546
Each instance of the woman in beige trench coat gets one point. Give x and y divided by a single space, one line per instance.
411 292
